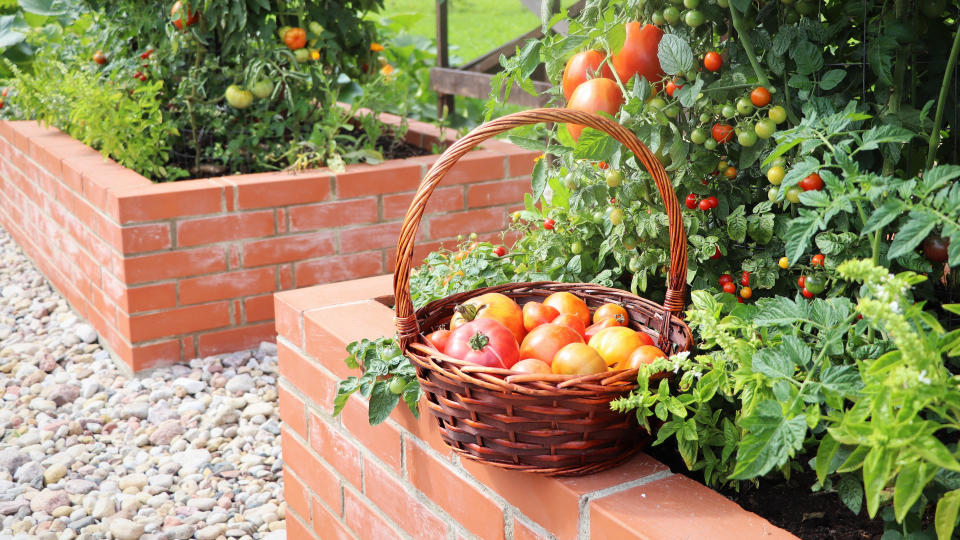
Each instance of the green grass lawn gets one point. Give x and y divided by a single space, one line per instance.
475 26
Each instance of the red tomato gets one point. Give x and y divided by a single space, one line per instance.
712 61
936 249
801 281
722 133
546 340
185 19
491 306
567 303
760 97
295 38
745 278
577 359
729 287
672 87
812 183
705 205
691 201
500 251
548 224
615 344
531 365
598 326
572 322
535 314
714 202
439 339
644 354
594 96
817 260
582 67
717 254
100 58
806 293
609 310
746 293
726 278
485 342
639 53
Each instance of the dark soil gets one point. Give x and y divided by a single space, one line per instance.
791 505
393 148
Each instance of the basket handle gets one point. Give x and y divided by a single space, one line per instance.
406 320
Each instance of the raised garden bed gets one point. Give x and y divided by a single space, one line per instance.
167 272
343 477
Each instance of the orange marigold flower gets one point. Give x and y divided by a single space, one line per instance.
376 47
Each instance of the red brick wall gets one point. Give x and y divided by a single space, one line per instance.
345 479
166 272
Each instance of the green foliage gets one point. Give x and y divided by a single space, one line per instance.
387 378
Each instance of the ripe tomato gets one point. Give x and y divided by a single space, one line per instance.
730 172
745 278
569 304
722 133
611 310
500 251
598 326
639 53
729 287
935 249
531 365
578 359
546 340
485 342
572 322
712 61
717 254
784 263
616 343
806 293
713 200
672 87
691 201
582 67
811 182
801 281
746 292
295 38
817 260
439 339
491 306
725 278
760 97
594 96
705 205
183 17
644 354
548 224
100 58
535 314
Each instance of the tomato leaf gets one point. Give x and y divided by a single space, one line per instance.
825 454
940 176
851 493
538 181
917 227
883 215
382 402
946 517
885 134
595 145
675 54
832 78
809 57
799 233
688 95
737 224
770 440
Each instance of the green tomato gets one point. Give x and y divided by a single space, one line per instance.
473 236
775 175
793 194
765 128
698 136
710 144
570 181
779 161
616 216
315 27
704 118
238 97
691 4
629 242
576 247
613 178
728 111
672 15
657 18
691 75
262 89
672 111
815 284
694 18
744 106
772 194
634 264
723 3
397 384
521 268
778 114
657 104
302 55
747 137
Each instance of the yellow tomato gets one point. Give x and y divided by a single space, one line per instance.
617 342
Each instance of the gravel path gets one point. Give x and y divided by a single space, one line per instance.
189 451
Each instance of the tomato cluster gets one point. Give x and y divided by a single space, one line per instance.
728 286
558 335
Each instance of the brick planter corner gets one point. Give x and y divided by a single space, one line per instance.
167 272
345 479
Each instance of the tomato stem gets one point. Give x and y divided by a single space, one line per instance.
893 104
748 46
478 341
468 311
942 100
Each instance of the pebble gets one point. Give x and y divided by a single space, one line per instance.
88 451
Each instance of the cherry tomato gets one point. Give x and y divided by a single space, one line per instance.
698 136
730 172
485 342
710 144
772 194
568 303
716 254
548 224
616 216
183 17
726 278
817 260
613 178
729 287
535 314
747 137
691 201
146 54
439 339
722 133
577 359
576 247
500 251
582 67
712 61
744 106
812 182
616 343
705 205
100 58
694 18
765 128
672 15
793 194
295 38
714 202
778 114
495 306
746 293
397 384
745 278
815 284
775 175
595 95
806 293
642 355
602 165
728 111
801 281
935 248
638 56
672 87
784 262
760 97
613 311
546 340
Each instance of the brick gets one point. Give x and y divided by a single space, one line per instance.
298 529
522 532
329 330
288 248
476 166
293 410
676 507
305 374
394 176
383 439
141 238
497 193
333 214
280 188
424 428
99 180
235 339
460 498
369 237
328 525
165 201
288 320
227 285
335 448
364 519
479 221
258 308
154 355
73 168
183 320
151 297
393 499
315 474
199 231
338 268
174 264
443 199
286 277
296 495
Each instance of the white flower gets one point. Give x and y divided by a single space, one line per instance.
923 377
895 306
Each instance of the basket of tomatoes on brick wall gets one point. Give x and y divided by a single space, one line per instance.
521 375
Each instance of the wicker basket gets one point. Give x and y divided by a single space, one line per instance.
548 424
